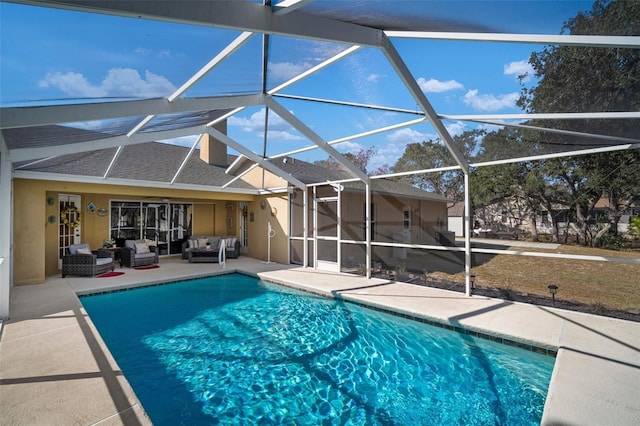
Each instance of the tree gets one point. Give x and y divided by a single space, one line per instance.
434 154
577 78
359 159
519 188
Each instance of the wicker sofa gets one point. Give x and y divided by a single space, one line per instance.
80 260
138 253
232 249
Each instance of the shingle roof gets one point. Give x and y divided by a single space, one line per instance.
314 173
158 162
151 161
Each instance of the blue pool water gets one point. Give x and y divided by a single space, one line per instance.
235 350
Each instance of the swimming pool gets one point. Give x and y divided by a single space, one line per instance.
234 350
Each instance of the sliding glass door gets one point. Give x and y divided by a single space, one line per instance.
166 224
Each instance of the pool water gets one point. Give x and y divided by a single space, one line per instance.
234 350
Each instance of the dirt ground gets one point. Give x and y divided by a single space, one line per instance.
597 287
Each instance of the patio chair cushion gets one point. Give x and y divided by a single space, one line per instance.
214 242
142 248
138 253
230 242
83 251
103 261
73 248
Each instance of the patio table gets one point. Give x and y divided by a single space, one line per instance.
203 255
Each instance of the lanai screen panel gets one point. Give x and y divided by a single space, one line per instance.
530 17
78 63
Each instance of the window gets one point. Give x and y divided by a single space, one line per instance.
167 224
406 219
545 217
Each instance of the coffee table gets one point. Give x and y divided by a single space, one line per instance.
203 255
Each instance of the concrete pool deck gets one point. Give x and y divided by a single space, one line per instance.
55 368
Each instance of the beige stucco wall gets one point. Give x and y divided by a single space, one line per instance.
35 242
263 213
261 178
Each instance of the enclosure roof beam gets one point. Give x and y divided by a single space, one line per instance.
632 42
315 138
264 163
55 114
412 85
235 15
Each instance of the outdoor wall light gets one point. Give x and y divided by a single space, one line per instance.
473 282
553 289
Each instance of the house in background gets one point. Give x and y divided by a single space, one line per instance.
455 214
511 217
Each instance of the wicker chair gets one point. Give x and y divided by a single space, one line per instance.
131 255
81 261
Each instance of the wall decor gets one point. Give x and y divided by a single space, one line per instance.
71 216
50 201
91 207
51 219
102 212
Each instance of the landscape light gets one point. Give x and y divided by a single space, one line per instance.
553 289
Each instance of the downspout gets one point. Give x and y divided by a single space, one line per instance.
368 228
467 234
6 230
305 226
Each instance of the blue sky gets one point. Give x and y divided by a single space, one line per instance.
50 56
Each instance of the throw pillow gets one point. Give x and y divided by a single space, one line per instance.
202 242
142 248
231 242
214 242
193 243
83 251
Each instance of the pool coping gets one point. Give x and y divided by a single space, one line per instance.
596 372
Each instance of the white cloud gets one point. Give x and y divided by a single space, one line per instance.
456 128
373 78
436 86
519 68
278 128
119 82
389 153
348 146
283 71
490 102
142 51
407 136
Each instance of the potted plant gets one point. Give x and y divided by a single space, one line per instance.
401 272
